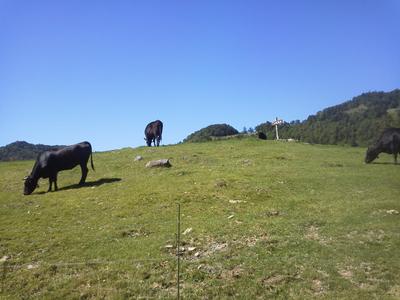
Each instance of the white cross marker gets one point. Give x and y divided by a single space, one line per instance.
276 123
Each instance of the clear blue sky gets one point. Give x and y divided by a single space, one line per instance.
101 70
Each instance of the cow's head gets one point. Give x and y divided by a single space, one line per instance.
30 185
148 141
372 154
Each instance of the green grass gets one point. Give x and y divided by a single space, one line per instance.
309 221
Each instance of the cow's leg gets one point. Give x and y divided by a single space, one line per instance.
85 171
55 182
158 141
395 157
50 184
53 178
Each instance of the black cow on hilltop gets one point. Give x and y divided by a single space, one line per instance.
153 133
389 142
49 163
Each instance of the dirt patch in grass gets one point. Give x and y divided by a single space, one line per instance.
312 234
235 273
263 190
195 248
394 291
346 273
280 157
271 213
274 281
220 183
135 233
364 276
245 162
317 287
371 236
251 241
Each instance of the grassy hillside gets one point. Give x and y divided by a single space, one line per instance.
269 219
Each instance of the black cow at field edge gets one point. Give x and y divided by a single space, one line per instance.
153 133
49 163
389 142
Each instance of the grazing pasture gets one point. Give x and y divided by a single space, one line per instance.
260 219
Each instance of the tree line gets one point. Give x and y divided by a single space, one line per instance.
357 122
22 150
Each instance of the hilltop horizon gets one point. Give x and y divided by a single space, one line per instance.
368 98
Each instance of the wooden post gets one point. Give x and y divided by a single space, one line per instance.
178 240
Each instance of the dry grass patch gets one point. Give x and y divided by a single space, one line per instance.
312 234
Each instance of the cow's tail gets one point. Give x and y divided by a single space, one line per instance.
91 157
91 160
161 130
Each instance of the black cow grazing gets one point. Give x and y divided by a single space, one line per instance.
49 163
153 133
262 135
389 142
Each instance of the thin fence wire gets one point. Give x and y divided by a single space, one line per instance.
91 227
188 219
178 241
38 264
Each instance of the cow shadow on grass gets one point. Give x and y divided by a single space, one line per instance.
95 183
384 163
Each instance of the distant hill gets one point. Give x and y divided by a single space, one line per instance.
22 150
357 122
209 132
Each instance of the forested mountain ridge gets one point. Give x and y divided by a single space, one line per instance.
21 150
357 122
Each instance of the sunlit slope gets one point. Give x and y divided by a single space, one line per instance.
267 219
